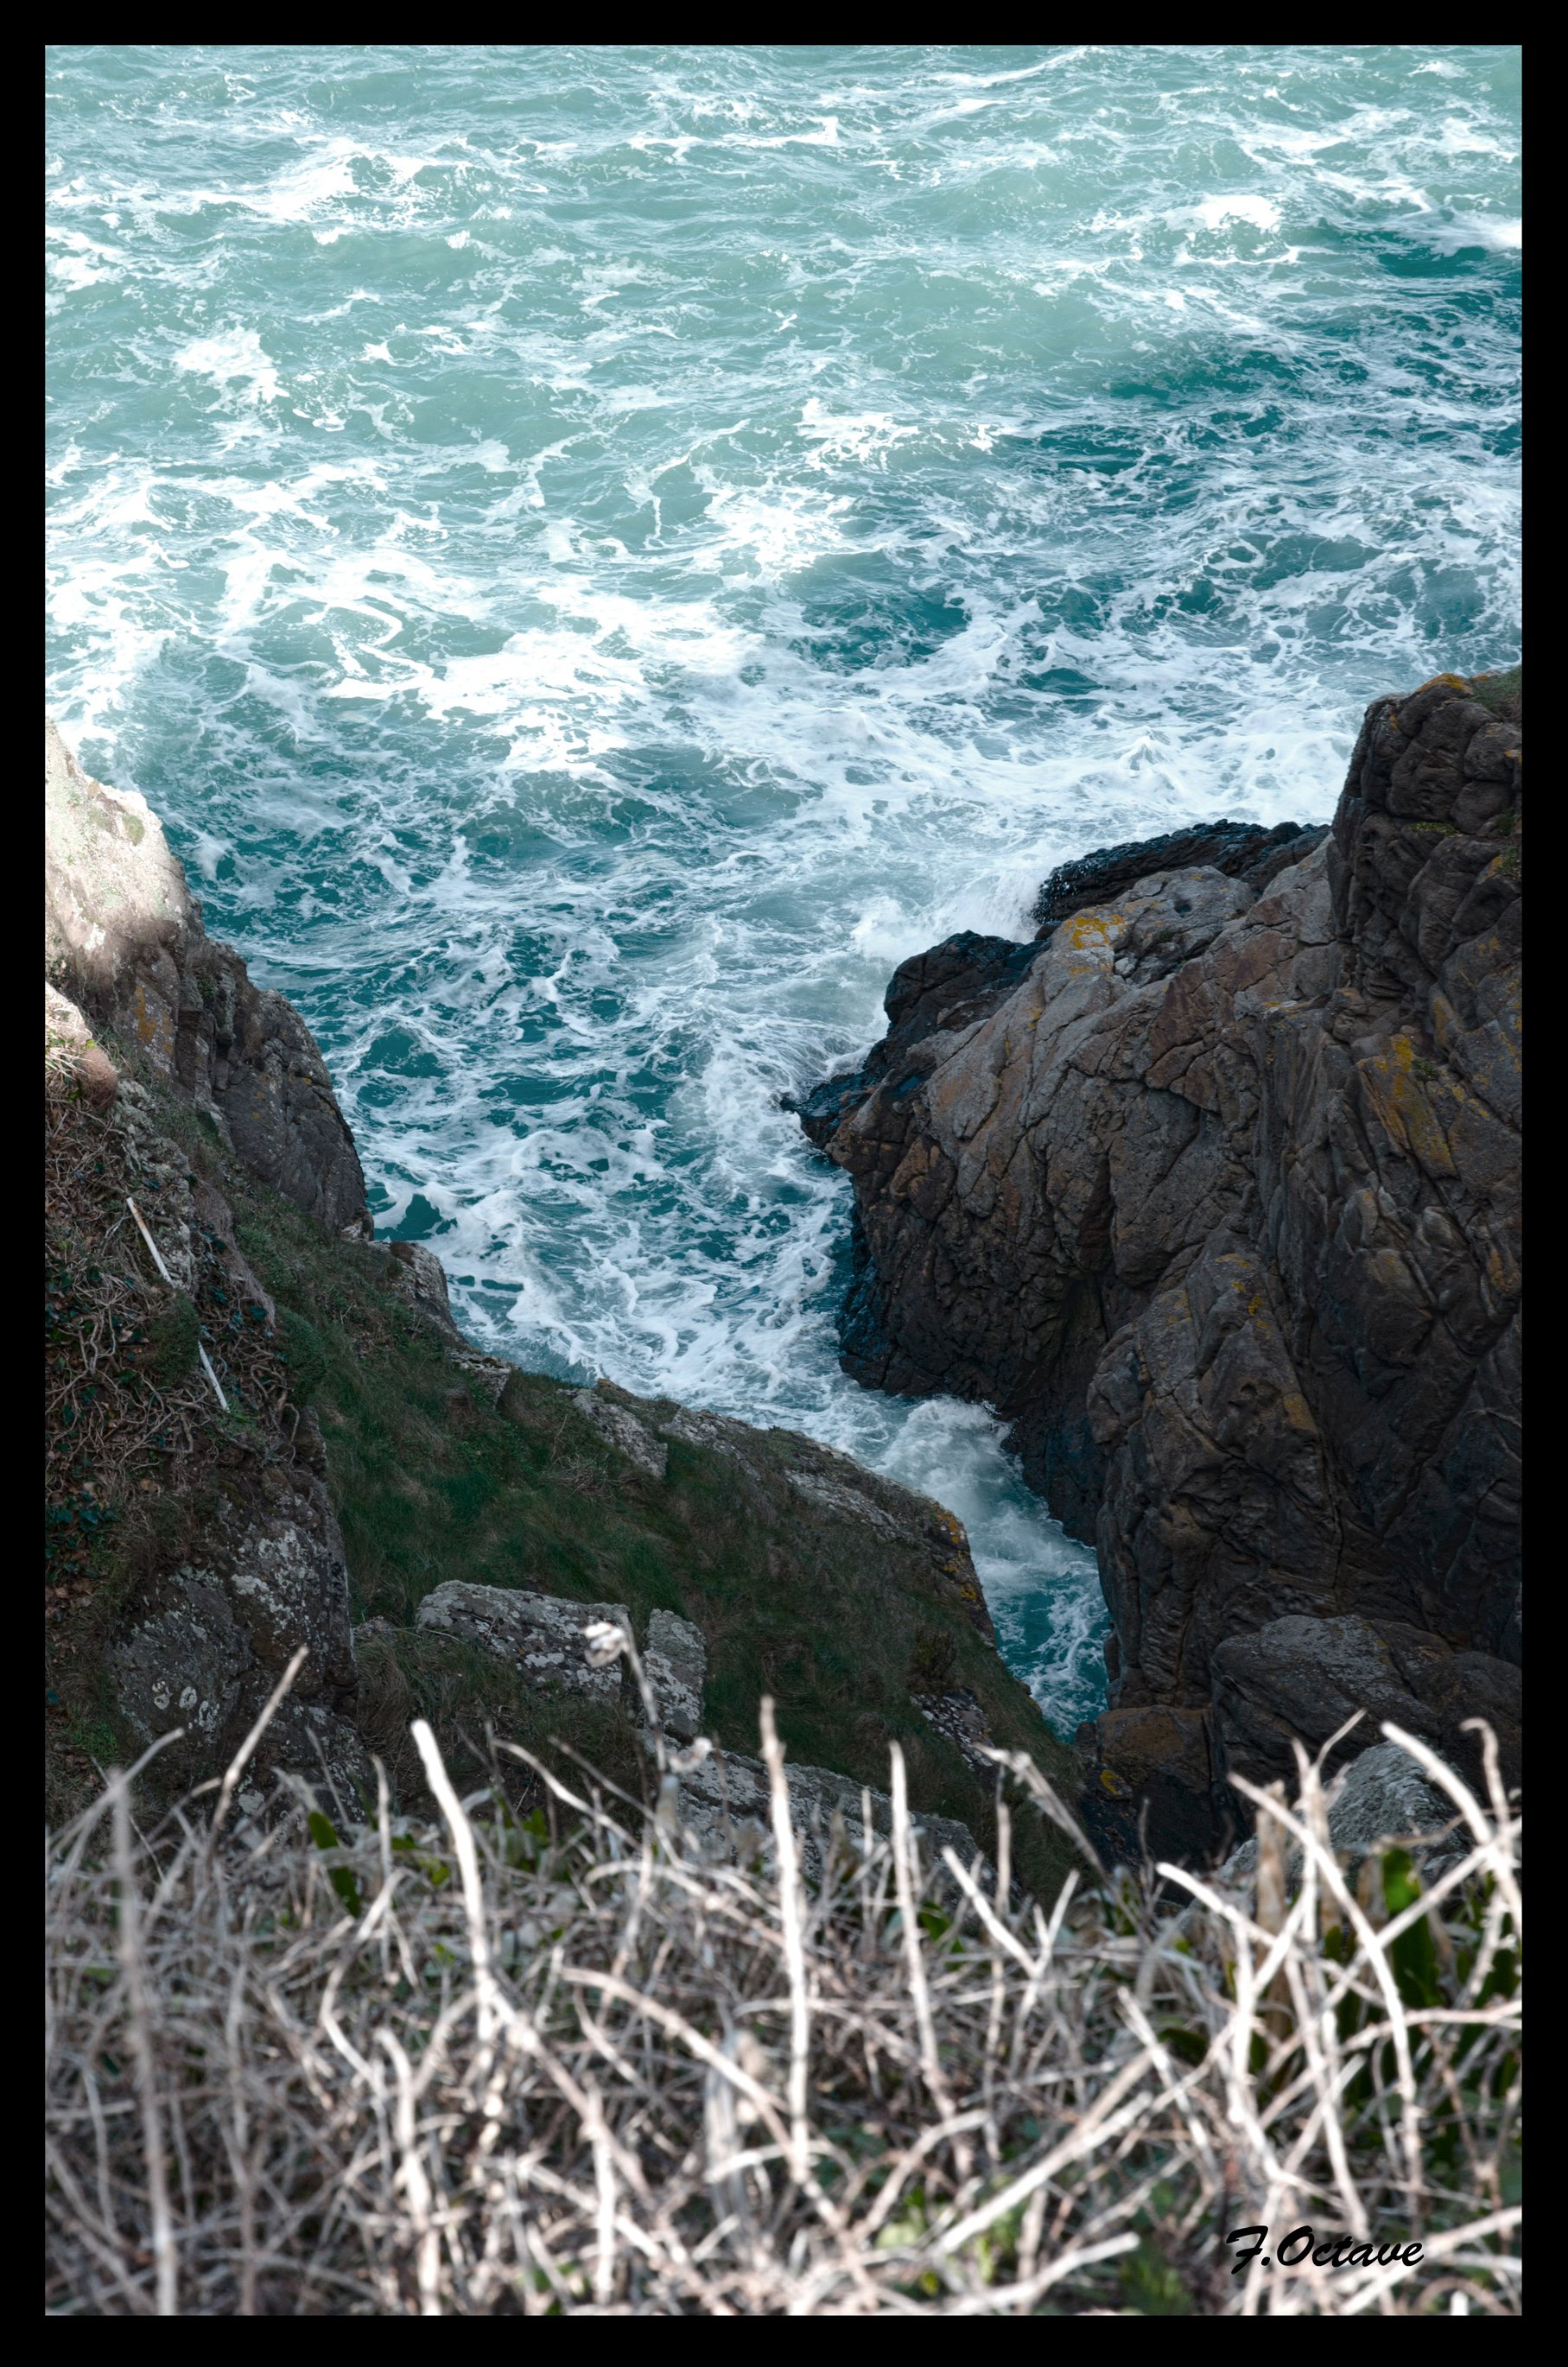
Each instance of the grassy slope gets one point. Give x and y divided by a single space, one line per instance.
431 1483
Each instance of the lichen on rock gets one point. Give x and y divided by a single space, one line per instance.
1213 1192
369 1464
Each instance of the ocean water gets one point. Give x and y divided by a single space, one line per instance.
598 554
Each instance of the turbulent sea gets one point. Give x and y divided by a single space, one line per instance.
598 554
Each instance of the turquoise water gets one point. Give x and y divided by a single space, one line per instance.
598 554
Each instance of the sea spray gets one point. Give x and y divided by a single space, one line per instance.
599 554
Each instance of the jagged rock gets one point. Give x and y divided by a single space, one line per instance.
958 1715
124 938
1241 850
726 1805
1214 1195
941 991
70 1054
621 1429
541 1634
821 1482
1381 1797
487 1375
1149 1780
676 1661
418 1275
207 1641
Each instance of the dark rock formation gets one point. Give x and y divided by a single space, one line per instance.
257 1568
1242 850
1214 1195
956 982
965 977
243 1562
212 1548
123 938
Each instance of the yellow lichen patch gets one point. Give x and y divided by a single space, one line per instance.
1404 1109
150 1018
1085 931
1437 681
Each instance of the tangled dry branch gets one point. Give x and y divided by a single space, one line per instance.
579 2066
126 1398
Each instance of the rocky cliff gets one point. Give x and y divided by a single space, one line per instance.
266 1435
124 939
1212 1190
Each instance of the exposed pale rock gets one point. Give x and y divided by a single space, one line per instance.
710 1430
418 1275
207 1642
676 1661
958 1715
487 1375
1382 1797
726 1804
71 1057
124 938
541 1634
620 1428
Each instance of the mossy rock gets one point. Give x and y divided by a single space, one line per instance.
844 1623
1502 694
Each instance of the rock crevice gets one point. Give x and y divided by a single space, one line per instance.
1212 1190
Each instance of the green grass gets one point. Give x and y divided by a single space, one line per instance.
431 1483
1503 693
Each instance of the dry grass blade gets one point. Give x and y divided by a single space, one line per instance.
609 2074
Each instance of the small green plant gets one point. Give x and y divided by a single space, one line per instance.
1501 692
324 1835
174 1338
931 1661
304 1354
1150 2286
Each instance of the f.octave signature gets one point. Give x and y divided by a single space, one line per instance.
1330 2252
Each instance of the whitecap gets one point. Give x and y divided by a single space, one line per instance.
233 358
1262 213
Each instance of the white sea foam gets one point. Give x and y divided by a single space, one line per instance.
655 539
234 357
1261 212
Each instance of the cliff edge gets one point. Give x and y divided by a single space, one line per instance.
1213 1191
267 1436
